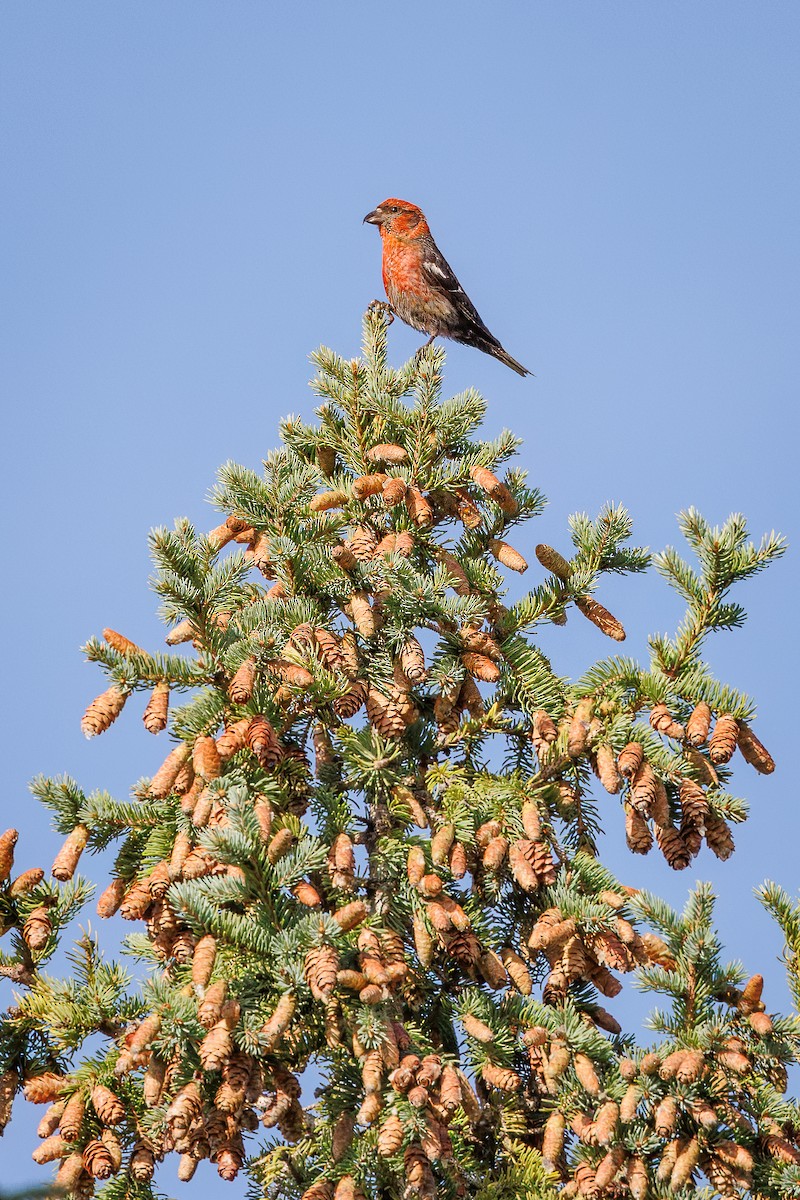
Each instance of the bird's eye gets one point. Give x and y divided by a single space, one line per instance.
394 209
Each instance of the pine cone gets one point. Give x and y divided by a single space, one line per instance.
203 960
699 723
605 621
25 883
70 1174
719 836
694 805
107 1105
553 1141
673 847
205 759
321 965
240 688
412 661
156 713
368 485
37 928
103 711
43 1088
162 782
66 860
552 561
522 859
390 1136
753 751
326 500
7 843
279 1022
72 1117
481 666
362 541
501 1077
321 1190
418 1173
390 714
630 759
184 631
350 702
723 740
264 742
543 731
394 491
460 581
507 555
363 615
637 831
643 794
468 512
663 722
419 509
637 1178
120 643
97 1160
607 770
142 1163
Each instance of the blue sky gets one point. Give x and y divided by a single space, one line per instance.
615 184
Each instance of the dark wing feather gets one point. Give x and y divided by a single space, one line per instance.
437 272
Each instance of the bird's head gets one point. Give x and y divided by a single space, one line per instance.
398 218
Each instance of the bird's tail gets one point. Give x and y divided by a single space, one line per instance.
505 357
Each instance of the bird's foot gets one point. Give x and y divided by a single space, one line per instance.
384 307
421 350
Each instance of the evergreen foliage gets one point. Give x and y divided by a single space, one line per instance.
331 874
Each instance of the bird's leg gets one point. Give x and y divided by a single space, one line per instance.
421 350
384 307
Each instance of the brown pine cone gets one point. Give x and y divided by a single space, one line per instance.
37 928
607 770
753 751
468 512
7 843
605 621
699 723
142 1163
72 1117
663 722
419 508
321 965
264 742
66 860
630 759
347 705
507 555
543 731
97 1160
723 740
719 836
362 541
637 831
240 688
644 790
107 1105
673 847
103 711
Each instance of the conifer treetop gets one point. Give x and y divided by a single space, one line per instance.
330 878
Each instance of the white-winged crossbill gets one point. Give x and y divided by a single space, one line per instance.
421 286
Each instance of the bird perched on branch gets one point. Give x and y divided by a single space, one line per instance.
421 286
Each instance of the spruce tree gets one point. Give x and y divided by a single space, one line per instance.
367 905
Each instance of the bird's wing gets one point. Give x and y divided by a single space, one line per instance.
438 273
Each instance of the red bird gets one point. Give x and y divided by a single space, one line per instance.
421 286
